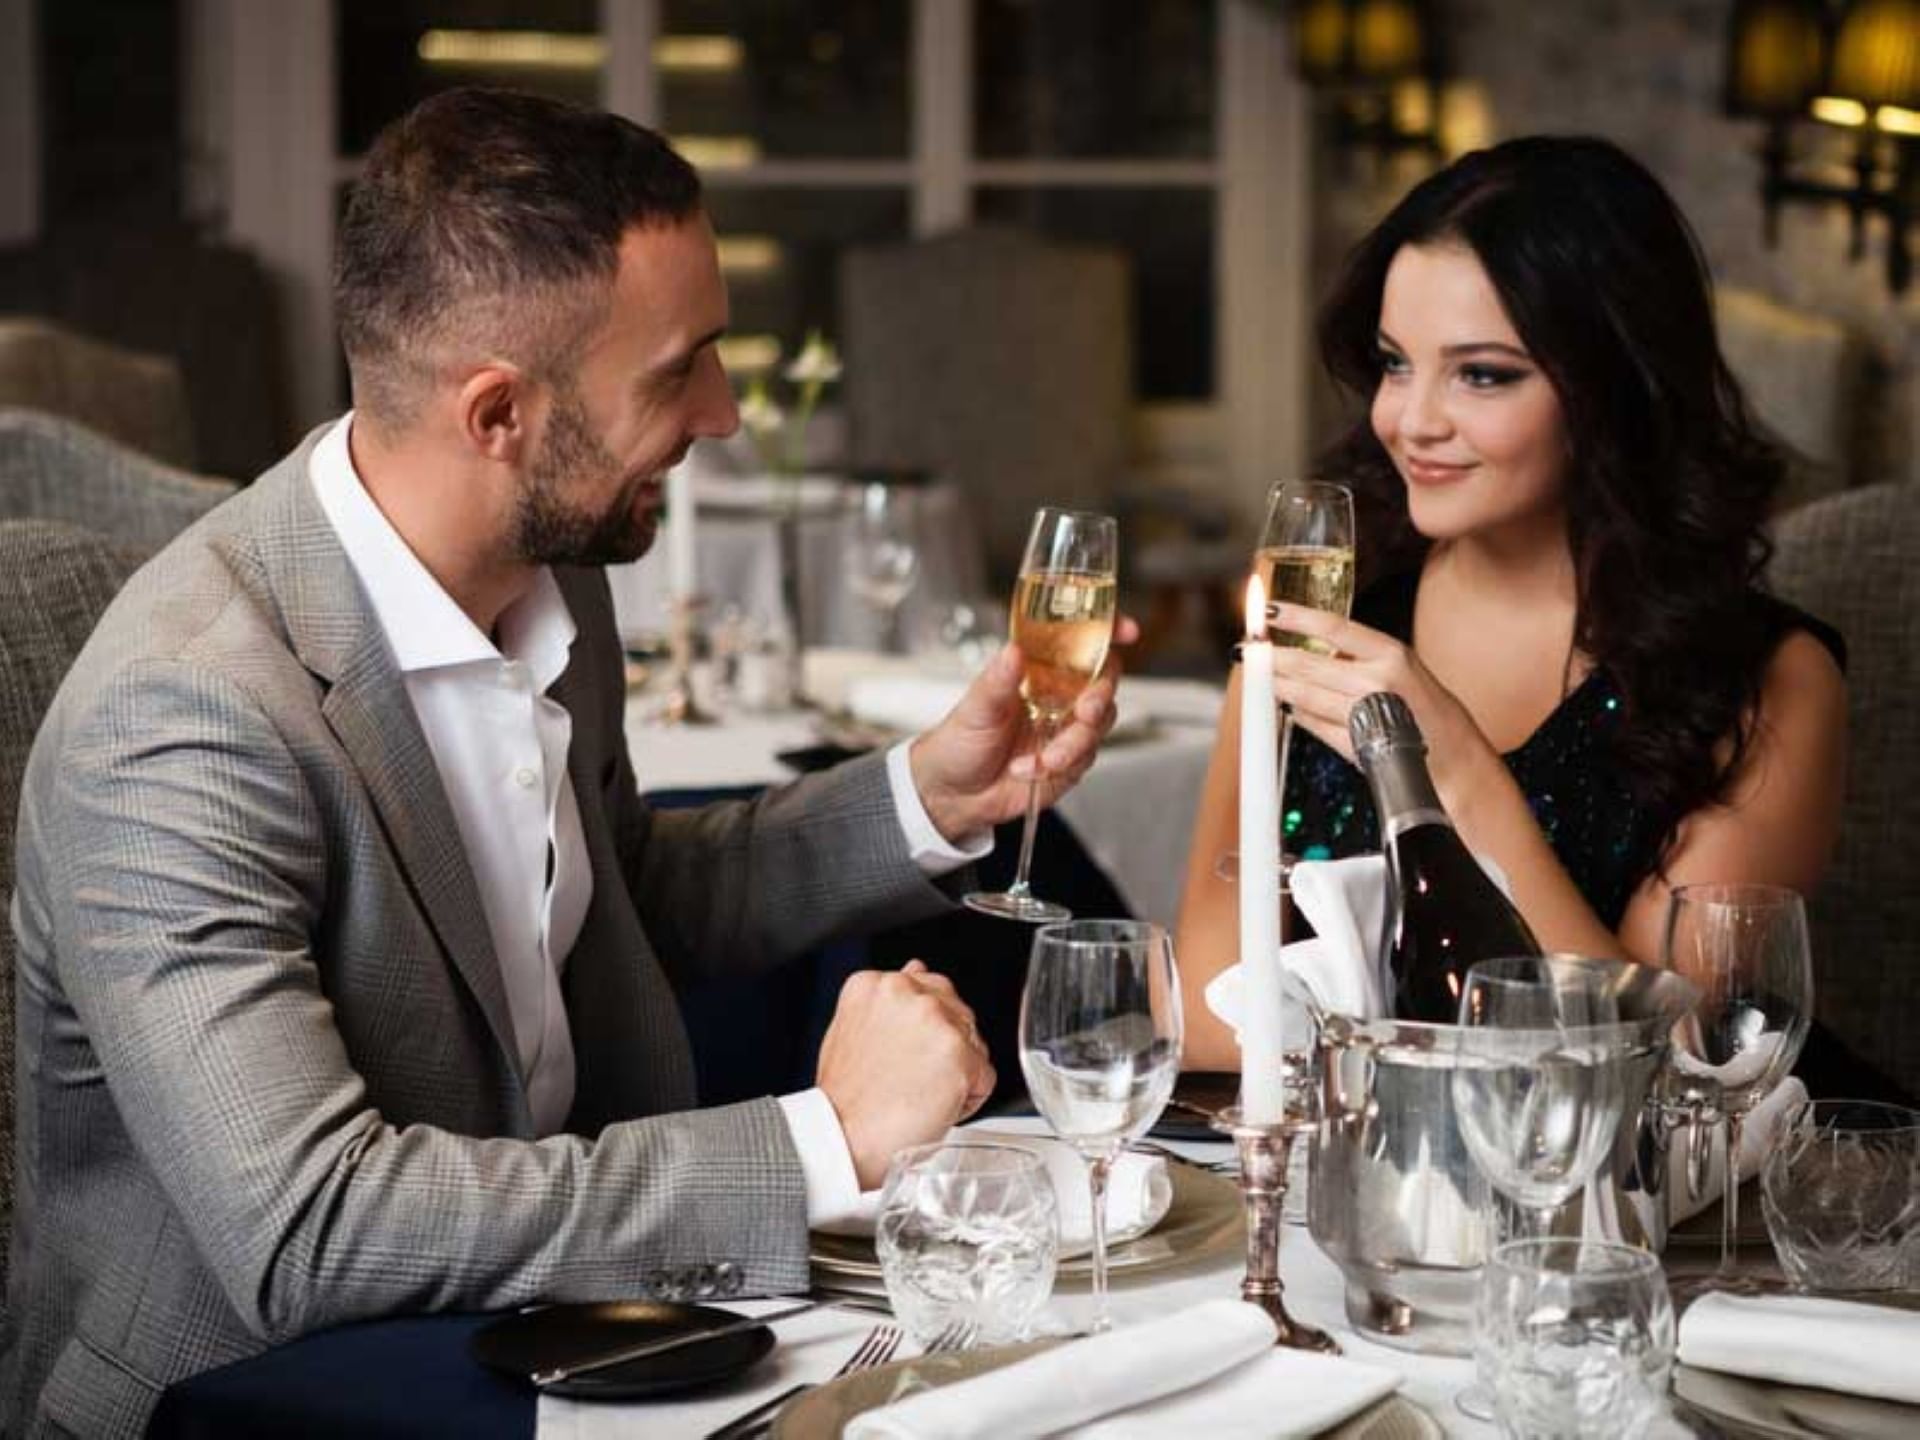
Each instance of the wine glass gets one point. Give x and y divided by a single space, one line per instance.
883 553
1538 1086
1062 620
1100 1033
1746 947
1305 557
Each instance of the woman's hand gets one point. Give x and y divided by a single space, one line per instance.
1321 689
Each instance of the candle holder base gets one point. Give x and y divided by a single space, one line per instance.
1264 1150
677 706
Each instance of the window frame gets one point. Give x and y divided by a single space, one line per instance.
265 107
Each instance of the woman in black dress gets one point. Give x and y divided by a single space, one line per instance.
1568 573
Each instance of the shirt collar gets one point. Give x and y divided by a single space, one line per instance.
424 627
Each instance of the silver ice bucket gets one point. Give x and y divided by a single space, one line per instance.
1396 1199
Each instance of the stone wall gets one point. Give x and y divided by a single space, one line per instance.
1648 74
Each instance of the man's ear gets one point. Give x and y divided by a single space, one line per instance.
494 411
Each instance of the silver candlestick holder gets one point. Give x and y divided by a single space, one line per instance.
1264 1150
677 706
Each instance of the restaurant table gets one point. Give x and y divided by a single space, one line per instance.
1133 812
413 1377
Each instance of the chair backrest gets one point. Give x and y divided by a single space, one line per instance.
52 468
55 579
137 399
998 360
1854 560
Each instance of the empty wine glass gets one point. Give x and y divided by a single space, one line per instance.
1538 1087
1062 620
1100 1033
1305 557
1746 947
883 553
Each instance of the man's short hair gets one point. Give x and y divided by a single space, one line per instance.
478 217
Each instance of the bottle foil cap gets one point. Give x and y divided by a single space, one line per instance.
1381 722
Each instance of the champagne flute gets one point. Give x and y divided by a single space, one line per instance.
1746 947
1063 607
1305 557
1538 1089
1100 1032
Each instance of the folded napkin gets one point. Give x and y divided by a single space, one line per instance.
1757 1137
1805 1340
1138 1191
1209 1370
1335 971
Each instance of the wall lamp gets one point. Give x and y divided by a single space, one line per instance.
1377 62
1853 65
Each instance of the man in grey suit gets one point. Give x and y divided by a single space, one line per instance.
347 949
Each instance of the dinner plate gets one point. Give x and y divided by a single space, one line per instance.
1745 1409
1203 1218
551 1335
822 1413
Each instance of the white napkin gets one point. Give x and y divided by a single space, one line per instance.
1757 1135
1805 1340
1344 901
1209 1370
1138 1191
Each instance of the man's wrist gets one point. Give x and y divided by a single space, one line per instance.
950 813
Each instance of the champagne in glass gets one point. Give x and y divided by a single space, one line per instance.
1063 623
1305 557
1320 577
1100 1030
1063 608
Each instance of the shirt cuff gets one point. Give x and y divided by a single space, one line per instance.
925 843
833 1189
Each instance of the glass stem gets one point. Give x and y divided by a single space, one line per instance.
1019 886
1286 739
1730 1203
1097 1187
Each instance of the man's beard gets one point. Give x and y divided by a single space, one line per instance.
551 530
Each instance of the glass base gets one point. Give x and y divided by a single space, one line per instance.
1009 906
1475 1402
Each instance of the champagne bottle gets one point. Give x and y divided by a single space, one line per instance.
1443 911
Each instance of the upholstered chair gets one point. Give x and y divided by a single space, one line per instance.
55 469
1854 560
55 579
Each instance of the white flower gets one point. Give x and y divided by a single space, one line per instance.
817 362
760 412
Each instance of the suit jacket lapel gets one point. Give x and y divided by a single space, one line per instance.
338 637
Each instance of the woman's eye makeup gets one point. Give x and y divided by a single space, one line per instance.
1490 377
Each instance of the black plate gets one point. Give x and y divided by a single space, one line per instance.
554 1334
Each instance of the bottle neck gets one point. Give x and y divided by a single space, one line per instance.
1403 793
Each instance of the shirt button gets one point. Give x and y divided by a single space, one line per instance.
513 675
525 778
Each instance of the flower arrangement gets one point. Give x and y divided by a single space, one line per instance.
779 432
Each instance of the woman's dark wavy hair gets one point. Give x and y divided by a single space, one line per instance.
1669 480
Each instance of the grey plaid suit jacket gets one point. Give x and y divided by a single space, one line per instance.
265 1063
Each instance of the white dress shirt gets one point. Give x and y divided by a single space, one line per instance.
500 745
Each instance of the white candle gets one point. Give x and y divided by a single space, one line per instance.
1262 1079
680 568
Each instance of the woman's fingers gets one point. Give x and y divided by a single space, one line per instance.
1349 637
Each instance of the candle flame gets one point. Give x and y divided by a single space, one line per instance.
1256 608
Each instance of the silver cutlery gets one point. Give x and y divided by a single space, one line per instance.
876 1349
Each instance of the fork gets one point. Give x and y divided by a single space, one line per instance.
876 1349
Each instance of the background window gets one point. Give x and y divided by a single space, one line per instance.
396 53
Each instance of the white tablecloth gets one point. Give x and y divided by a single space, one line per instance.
1133 812
1313 1294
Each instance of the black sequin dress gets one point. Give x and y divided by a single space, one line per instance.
1578 794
